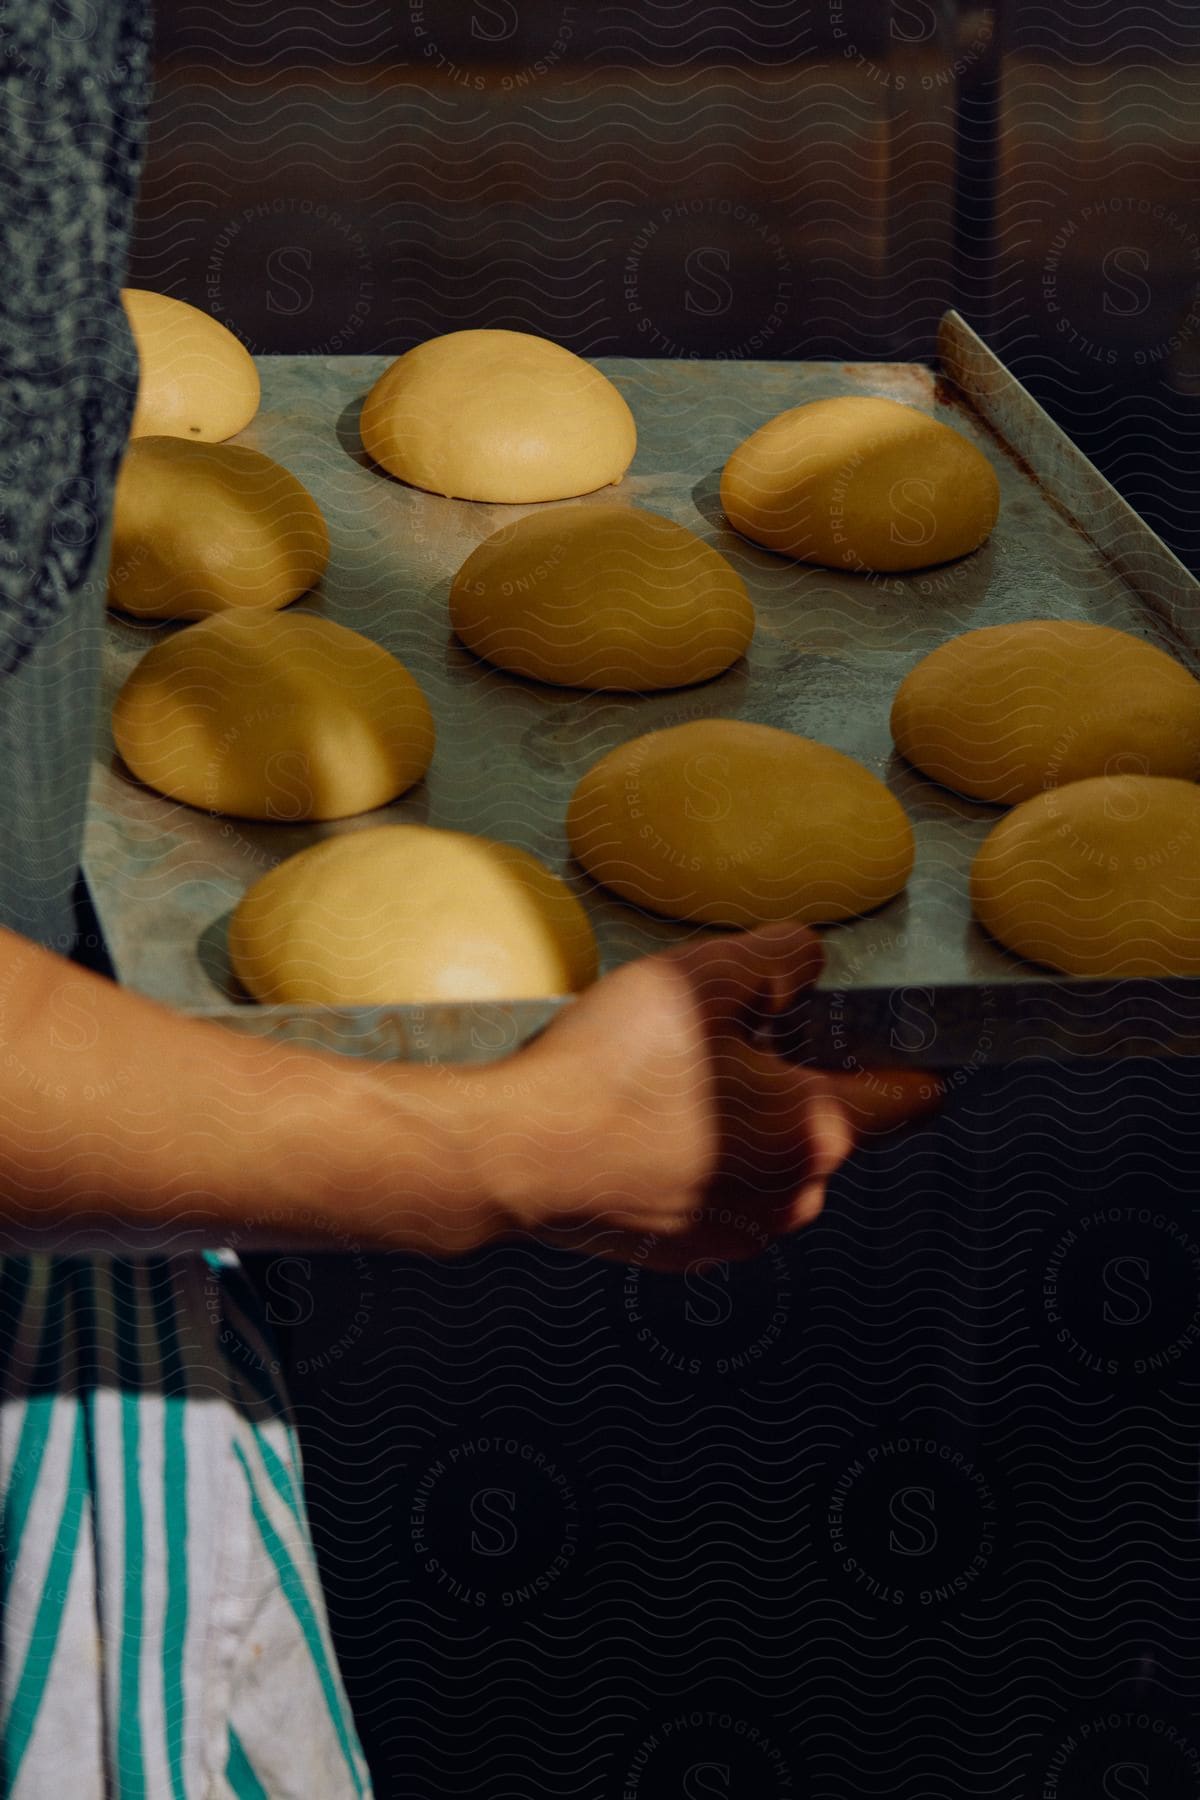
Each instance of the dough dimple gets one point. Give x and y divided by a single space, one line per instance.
863 483
602 597
273 716
498 415
1005 711
731 823
195 379
202 528
1101 878
406 914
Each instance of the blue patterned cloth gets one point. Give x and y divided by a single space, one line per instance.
72 104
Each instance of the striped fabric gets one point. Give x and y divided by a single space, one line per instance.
163 1631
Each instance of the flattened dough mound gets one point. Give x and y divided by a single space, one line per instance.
602 597
1003 712
196 380
1101 878
204 528
857 482
273 716
405 914
738 824
498 415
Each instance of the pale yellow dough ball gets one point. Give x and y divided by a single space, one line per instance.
273 716
206 528
731 823
1101 878
1003 712
196 380
498 415
858 482
602 597
407 914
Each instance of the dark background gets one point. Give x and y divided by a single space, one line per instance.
359 176
767 1546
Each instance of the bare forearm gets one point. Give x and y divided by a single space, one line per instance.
647 1120
123 1122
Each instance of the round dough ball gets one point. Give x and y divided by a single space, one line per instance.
196 379
274 716
498 415
861 483
602 597
1101 878
205 528
405 914
738 824
1003 712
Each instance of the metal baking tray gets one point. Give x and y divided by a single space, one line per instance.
917 981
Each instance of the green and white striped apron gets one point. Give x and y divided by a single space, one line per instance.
163 1627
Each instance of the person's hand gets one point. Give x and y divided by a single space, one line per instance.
677 1121
647 1102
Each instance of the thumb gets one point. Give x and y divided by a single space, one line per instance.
879 1100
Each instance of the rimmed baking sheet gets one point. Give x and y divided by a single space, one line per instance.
918 980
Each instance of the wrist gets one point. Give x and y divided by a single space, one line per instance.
437 1158
535 1133
409 1171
